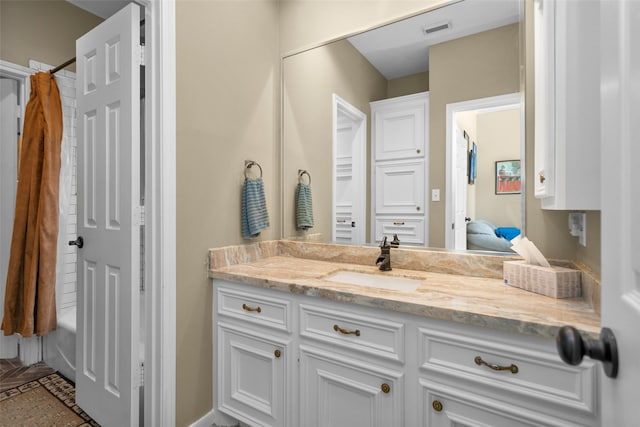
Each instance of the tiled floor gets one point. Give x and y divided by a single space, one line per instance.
13 373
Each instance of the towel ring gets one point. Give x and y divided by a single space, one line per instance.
248 164
303 172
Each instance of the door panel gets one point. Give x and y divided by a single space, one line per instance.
460 191
349 187
8 178
108 89
347 392
400 187
620 68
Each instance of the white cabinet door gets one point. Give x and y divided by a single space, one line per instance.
567 107
338 391
400 187
400 127
252 374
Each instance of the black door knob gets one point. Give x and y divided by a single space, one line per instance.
79 242
572 348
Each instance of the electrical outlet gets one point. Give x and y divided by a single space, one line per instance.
435 195
578 227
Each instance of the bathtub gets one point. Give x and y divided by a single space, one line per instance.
60 345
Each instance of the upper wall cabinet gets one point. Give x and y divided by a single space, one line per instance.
567 104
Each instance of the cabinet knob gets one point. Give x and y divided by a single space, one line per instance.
437 405
417 208
542 178
386 388
572 348
277 354
418 151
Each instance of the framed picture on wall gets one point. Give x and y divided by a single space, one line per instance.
473 163
508 177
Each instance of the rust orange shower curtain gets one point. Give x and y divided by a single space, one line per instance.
29 302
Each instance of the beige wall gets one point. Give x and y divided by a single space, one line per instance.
498 138
408 85
478 66
310 79
228 91
45 31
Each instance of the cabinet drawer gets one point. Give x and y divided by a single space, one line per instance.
538 375
383 338
442 405
410 231
253 307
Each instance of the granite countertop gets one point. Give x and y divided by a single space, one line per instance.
479 301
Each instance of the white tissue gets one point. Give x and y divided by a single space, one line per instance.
527 250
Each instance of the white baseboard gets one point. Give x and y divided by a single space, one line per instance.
217 418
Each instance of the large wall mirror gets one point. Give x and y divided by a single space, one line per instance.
461 64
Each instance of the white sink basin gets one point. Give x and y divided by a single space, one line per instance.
381 281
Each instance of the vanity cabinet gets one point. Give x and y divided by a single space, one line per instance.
400 144
254 357
308 361
567 102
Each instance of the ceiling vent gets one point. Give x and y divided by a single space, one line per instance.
436 28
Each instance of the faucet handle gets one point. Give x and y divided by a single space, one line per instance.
384 242
395 242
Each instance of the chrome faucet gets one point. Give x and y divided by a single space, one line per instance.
384 260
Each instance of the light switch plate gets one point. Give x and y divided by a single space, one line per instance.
435 195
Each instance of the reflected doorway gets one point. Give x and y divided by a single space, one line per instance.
493 129
349 173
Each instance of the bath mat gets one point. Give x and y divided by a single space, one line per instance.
49 401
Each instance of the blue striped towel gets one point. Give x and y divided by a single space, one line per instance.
304 208
254 216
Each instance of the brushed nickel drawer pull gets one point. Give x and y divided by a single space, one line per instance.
513 368
386 388
398 222
437 405
277 354
345 331
247 308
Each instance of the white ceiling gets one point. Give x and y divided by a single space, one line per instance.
101 8
402 48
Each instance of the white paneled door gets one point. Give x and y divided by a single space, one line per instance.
349 164
620 92
9 134
108 96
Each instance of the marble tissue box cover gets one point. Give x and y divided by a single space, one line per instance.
554 281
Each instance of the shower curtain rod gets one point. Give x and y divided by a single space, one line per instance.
61 66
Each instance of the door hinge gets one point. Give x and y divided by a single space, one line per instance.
142 55
141 376
138 215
